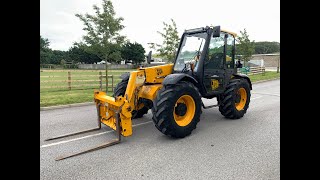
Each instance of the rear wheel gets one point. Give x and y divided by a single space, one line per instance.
235 100
120 89
177 109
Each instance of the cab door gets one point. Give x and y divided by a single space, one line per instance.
214 65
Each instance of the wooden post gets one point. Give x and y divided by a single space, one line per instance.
69 80
100 77
112 83
106 76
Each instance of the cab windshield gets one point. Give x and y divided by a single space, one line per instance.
191 49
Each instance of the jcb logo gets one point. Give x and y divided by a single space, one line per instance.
214 84
159 71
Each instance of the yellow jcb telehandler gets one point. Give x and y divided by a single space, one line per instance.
204 67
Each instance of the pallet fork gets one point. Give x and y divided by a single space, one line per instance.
104 145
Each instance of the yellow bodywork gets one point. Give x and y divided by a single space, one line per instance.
232 33
156 74
143 83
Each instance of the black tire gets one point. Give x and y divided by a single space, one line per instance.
140 112
164 106
119 90
228 99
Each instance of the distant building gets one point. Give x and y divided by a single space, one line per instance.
270 60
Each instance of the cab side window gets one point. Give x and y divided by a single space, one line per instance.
229 52
214 59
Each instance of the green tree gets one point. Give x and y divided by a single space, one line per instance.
134 52
78 54
45 51
44 43
245 48
57 56
45 57
63 62
170 41
103 38
266 47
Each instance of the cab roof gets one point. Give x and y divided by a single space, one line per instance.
232 33
203 28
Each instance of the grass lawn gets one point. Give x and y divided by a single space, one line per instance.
88 78
268 75
60 96
84 93
66 97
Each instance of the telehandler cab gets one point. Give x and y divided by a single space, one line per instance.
204 67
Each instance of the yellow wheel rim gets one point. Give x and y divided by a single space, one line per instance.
185 119
243 99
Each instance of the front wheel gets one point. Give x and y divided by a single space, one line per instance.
235 100
177 109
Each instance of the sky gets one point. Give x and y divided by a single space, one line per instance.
143 18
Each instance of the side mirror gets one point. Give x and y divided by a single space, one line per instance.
216 31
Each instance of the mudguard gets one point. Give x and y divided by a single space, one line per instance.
245 77
175 78
125 76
